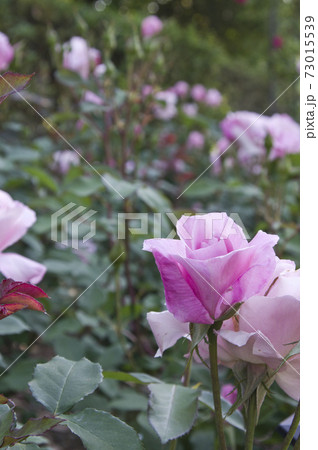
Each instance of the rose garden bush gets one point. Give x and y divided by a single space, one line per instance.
99 128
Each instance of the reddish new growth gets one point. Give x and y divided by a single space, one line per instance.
15 295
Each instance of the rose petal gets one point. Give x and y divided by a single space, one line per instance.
20 268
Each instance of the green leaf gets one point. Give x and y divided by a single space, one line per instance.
11 83
172 409
32 427
100 430
122 187
12 325
61 383
6 418
85 186
236 418
68 78
154 199
43 178
198 331
138 378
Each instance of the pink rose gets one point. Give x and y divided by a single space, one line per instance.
277 42
79 57
213 97
151 25
181 88
265 331
15 219
285 134
211 267
195 140
168 110
198 92
6 52
190 109
91 97
64 159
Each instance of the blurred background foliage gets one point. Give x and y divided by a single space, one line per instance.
222 44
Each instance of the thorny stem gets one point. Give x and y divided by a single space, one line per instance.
292 430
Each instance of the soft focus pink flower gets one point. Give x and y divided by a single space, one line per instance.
100 70
91 97
212 266
216 154
190 109
79 57
198 92
277 42
146 90
168 110
64 159
15 219
213 97
195 140
285 134
6 51
249 130
229 392
151 25
181 88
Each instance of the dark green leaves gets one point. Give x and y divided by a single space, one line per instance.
172 409
61 383
100 430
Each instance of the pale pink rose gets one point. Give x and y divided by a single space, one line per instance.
168 109
285 134
146 90
198 92
265 331
6 52
100 70
216 154
15 219
64 159
190 109
91 97
181 88
79 57
150 26
195 140
213 97
248 130
212 266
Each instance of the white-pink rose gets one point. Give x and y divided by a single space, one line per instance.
150 26
6 51
15 219
79 57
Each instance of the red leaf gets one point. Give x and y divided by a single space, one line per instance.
11 83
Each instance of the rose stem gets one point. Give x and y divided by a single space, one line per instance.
251 422
215 383
292 430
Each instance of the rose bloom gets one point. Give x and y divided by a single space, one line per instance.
285 134
15 219
91 97
150 26
6 51
169 109
213 97
212 267
190 109
78 56
181 88
195 140
198 92
64 159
